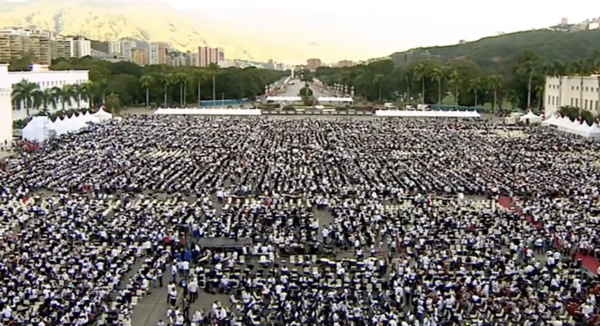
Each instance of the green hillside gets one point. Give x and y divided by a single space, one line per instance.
492 52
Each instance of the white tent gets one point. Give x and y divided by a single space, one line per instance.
594 131
35 129
211 111
102 115
88 117
531 117
335 99
427 114
550 121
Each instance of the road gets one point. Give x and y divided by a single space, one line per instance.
293 90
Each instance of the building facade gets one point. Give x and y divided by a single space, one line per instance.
114 47
157 53
345 63
6 121
207 55
313 64
46 79
15 41
572 93
81 47
140 57
127 47
61 47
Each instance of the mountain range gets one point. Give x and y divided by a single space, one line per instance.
496 52
158 22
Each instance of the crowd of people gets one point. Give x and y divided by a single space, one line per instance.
332 221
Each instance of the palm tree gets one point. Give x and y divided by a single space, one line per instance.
494 82
213 70
49 99
22 94
166 81
180 79
475 88
377 80
407 79
438 75
146 81
420 75
100 90
456 81
67 95
199 77
529 68
78 93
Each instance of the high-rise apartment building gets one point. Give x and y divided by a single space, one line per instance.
313 64
157 53
61 47
114 47
14 42
81 47
127 47
207 55
140 57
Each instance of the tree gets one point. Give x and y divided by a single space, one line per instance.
456 81
166 80
377 80
22 94
494 82
66 95
213 69
438 75
146 81
530 68
420 74
475 87
113 103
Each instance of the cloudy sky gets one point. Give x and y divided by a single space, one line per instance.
381 27
388 26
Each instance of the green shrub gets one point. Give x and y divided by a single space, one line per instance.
289 107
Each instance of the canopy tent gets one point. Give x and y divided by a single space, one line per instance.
572 127
550 121
202 111
102 115
37 128
335 99
428 114
283 99
531 117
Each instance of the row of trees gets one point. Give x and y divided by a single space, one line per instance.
430 81
127 84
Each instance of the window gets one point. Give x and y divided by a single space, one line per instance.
577 102
586 104
587 89
572 88
571 101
